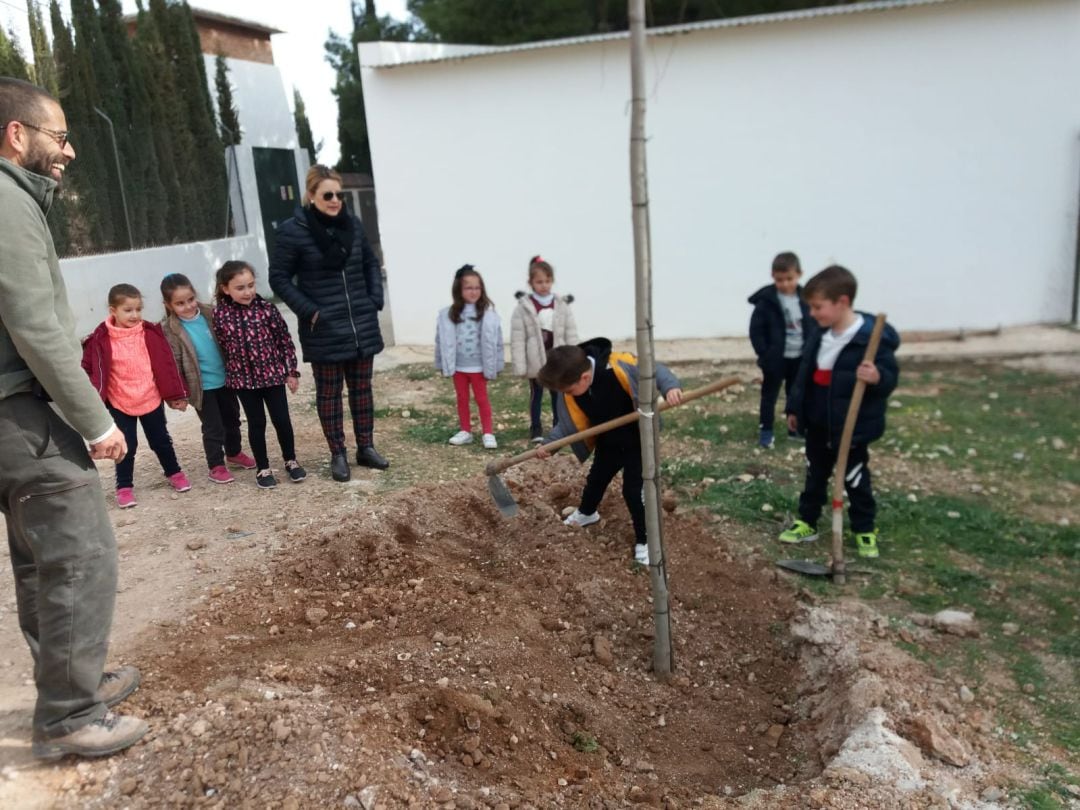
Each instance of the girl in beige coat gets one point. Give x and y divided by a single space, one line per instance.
541 321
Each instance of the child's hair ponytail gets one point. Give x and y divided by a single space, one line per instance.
459 302
226 273
537 264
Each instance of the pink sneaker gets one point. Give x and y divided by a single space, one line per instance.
241 460
221 475
125 498
180 482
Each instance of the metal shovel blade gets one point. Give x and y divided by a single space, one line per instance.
806 567
500 493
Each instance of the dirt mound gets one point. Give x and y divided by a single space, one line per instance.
425 651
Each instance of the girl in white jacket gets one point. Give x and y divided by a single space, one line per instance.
469 348
541 321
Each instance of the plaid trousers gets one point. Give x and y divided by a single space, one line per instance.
356 374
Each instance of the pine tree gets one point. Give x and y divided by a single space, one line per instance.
12 62
303 127
44 65
227 114
341 54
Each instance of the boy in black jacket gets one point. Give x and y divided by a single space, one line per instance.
832 362
595 384
779 328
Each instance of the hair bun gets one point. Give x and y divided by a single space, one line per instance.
465 269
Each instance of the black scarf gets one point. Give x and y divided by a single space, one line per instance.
333 235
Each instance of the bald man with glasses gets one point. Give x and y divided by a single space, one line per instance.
63 552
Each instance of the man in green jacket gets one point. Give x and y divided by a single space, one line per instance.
63 551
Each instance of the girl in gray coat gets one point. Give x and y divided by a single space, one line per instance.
469 348
541 321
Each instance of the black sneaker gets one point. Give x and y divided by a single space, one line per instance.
265 479
536 434
295 471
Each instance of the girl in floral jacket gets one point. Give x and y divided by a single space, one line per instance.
260 360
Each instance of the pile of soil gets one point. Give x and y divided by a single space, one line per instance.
423 651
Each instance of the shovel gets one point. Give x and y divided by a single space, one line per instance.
501 493
837 570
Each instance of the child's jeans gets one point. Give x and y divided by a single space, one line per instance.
770 390
277 403
820 460
462 381
220 417
536 402
607 461
157 436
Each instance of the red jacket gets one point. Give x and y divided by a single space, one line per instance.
97 361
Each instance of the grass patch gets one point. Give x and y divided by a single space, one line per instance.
585 742
998 557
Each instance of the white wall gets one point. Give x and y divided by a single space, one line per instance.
934 151
260 99
88 278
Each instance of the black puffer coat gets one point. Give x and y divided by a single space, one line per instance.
348 300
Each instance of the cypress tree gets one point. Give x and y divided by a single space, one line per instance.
173 144
97 186
146 201
303 127
104 93
44 65
206 162
227 114
12 62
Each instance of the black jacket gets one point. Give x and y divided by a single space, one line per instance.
768 329
870 424
348 300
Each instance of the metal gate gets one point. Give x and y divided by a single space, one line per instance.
279 191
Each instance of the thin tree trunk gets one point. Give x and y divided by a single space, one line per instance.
663 658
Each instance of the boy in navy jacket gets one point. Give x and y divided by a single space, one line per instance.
832 362
779 329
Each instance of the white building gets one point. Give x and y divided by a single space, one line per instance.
931 146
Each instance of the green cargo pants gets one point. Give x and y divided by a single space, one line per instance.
63 553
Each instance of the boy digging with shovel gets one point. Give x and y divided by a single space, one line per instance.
595 384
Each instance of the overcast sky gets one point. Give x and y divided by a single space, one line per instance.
299 52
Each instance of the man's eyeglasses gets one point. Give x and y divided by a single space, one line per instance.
61 136
329 195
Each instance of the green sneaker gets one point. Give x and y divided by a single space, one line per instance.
866 542
800 532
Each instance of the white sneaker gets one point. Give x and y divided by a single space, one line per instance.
489 441
578 519
641 554
460 438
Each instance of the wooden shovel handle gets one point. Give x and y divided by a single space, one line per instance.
845 447
496 467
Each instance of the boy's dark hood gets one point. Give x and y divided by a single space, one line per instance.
597 347
769 293
890 338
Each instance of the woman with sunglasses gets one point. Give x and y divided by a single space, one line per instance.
324 269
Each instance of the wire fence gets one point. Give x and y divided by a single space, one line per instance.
135 189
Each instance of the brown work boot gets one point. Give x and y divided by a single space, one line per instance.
117 685
112 733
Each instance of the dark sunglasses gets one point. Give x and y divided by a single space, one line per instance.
61 136
329 195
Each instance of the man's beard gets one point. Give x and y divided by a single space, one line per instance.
40 160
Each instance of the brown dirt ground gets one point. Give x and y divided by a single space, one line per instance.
399 642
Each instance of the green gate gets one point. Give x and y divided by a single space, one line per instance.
279 191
